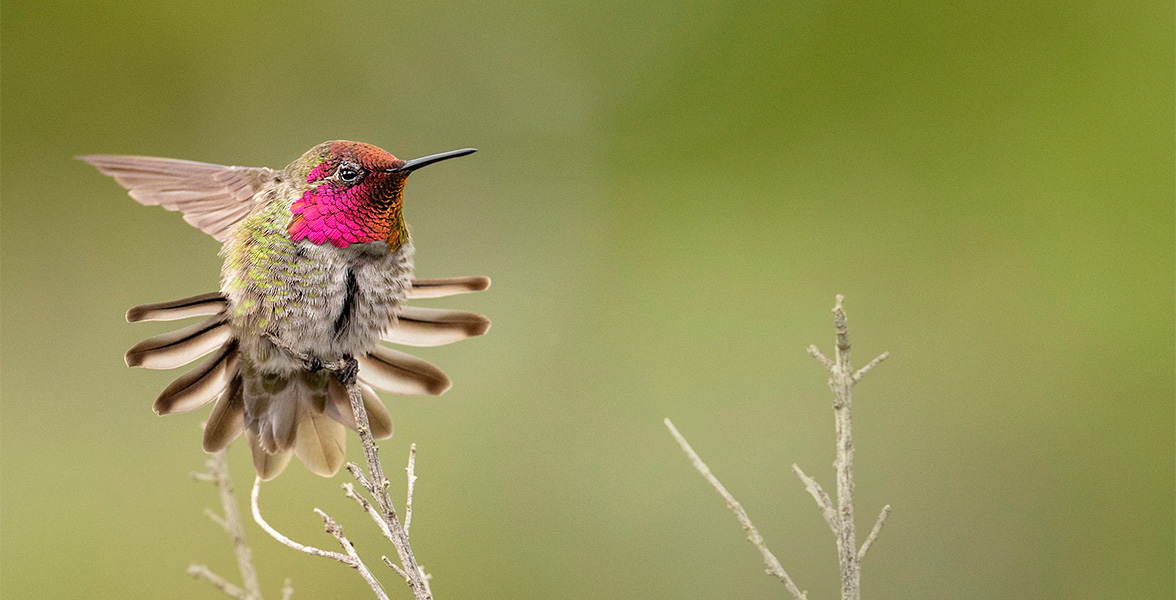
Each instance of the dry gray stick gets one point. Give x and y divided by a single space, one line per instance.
841 381
218 473
818 494
220 583
873 533
379 489
350 559
411 480
753 535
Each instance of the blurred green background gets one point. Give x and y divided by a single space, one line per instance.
668 196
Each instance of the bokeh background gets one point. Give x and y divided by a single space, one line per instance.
668 196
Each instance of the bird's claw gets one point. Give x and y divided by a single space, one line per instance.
313 363
349 371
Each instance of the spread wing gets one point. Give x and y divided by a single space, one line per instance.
213 198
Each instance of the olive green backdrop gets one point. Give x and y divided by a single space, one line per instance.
667 195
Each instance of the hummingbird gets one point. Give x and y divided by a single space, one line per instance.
318 267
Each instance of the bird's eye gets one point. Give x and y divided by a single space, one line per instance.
349 173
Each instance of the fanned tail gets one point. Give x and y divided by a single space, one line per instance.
304 414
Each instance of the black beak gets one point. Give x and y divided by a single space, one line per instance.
424 161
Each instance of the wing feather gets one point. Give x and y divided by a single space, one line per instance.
213 198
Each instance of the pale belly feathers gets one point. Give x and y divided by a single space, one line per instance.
317 299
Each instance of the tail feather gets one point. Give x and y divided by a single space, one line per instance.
418 326
275 405
182 346
322 444
200 385
438 288
268 465
303 414
196 306
339 408
394 371
227 420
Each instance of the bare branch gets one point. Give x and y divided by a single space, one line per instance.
379 487
818 494
426 578
411 480
219 520
357 473
874 533
349 491
839 517
816 353
343 558
336 530
202 477
866 369
774 567
220 583
395 567
287 590
841 382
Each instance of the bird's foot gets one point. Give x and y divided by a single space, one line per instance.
313 363
349 371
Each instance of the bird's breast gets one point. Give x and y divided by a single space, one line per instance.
323 300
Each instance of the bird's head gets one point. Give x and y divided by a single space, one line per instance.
353 193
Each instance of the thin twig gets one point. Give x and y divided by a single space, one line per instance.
349 491
219 520
357 473
873 533
816 353
818 494
336 530
395 567
774 567
380 484
274 533
287 589
202 477
220 583
866 369
411 480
